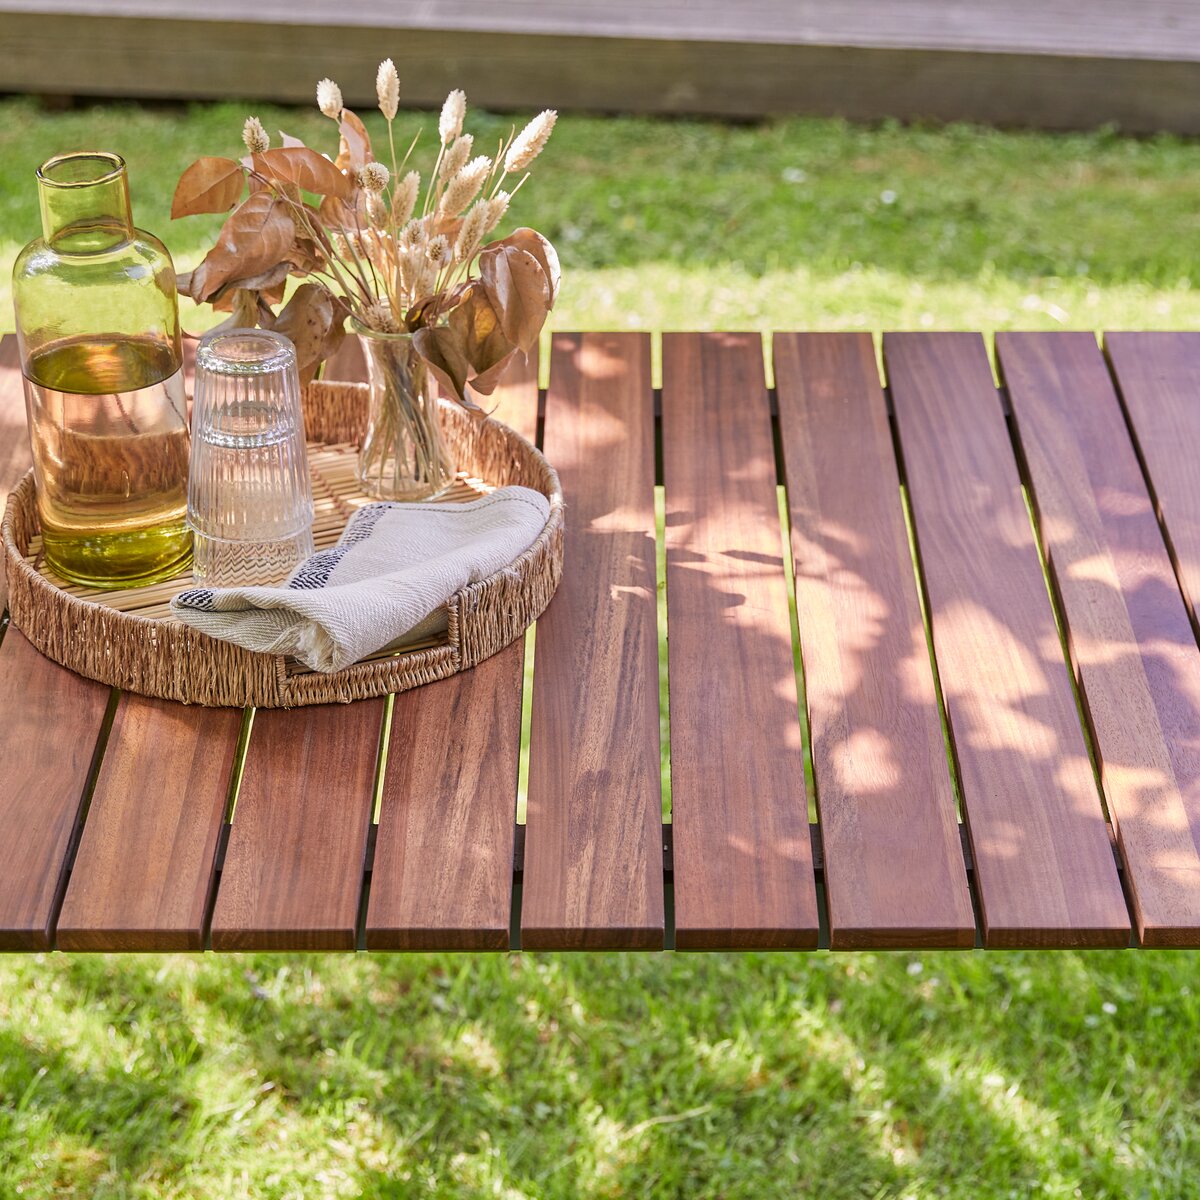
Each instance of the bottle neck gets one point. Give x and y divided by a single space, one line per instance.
85 202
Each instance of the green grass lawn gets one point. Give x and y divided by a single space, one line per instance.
732 1076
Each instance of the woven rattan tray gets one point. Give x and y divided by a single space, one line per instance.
128 639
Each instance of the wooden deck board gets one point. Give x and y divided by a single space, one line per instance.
1131 641
144 871
1043 860
894 873
742 852
593 876
443 868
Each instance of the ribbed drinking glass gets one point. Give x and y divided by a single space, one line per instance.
249 495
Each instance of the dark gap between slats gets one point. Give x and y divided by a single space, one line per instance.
668 845
914 551
660 624
1153 493
235 787
381 761
1056 604
785 534
360 936
521 800
518 889
818 858
81 814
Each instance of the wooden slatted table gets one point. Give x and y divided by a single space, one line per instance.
991 666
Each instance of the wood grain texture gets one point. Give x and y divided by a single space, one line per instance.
49 723
593 854
144 870
1043 861
1159 379
1131 642
443 872
1027 63
894 871
742 851
293 869
443 868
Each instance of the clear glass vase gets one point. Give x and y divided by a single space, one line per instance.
98 330
403 454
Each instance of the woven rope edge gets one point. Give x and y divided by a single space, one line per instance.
176 662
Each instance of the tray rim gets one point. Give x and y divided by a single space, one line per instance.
172 661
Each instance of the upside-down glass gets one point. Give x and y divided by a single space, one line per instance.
249 495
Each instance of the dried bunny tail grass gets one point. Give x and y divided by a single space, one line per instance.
464 187
454 111
404 197
497 207
530 141
439 251
329 99
414 234
377 210
255 136
387 88
373 177
379 316
474 226
414 269
456 157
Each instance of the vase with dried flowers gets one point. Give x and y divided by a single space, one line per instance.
406 260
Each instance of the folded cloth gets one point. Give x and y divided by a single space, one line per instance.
390 575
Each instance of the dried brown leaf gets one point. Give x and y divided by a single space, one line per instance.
257 235
354 150
303 168
519 291
307 320
209 185
533 243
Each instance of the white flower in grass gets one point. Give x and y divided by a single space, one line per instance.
255 136
329 99
530 141
454 111
387 88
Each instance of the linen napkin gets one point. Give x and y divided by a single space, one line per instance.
389 576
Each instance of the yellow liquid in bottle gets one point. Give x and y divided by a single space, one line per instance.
108 422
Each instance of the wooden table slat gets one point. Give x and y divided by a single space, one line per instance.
293 872
593 875
894 870
742 850
144 870
42 785
1131 640
1159 379
443 870
1043 860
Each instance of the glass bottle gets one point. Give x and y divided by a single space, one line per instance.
98 331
